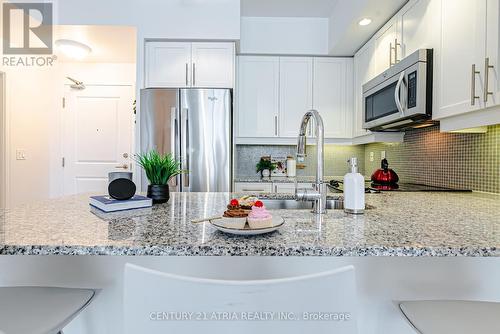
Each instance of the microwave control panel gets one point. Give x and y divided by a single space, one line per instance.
412 89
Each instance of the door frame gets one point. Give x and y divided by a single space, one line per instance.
3 142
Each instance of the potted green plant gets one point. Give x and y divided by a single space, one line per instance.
265 167
159 169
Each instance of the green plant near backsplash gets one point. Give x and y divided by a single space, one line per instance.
159 168
264 164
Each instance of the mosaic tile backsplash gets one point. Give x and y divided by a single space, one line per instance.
457 160
427 156
336 157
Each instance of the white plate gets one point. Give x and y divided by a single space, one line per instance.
277 223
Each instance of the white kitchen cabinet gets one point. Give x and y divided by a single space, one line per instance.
296 76
212 65
463 40
258 96
284 188
332 95
168 64
253 187
364 70
492 53
185 64
419 28
387 46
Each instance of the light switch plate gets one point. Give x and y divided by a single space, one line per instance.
20 155
382 155
372 156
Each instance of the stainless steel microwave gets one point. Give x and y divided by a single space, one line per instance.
401 97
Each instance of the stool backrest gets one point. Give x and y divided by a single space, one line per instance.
157 302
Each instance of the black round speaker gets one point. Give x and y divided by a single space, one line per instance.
121 189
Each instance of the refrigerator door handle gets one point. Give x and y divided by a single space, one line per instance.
185 149
174 134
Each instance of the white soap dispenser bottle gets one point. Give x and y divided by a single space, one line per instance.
354 189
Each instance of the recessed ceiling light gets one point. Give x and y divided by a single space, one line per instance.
73 49
365 21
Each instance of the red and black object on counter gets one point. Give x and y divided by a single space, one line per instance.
385 178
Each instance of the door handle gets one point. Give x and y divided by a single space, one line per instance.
187 76
185 148
473 95
390 55
174 133
194 74
396 44
276 125
487 68
124 166
397 97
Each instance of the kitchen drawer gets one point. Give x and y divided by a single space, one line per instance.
253 187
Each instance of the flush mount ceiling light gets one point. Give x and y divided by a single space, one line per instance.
365 21
73 49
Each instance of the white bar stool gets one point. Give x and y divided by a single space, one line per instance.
159 303
452 316
40 310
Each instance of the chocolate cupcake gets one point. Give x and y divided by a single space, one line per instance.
235 216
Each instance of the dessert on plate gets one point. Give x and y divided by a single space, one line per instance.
235 216
259 217
246 202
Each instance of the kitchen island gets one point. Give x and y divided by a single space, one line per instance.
406 246
397 224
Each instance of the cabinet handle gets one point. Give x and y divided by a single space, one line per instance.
390 55
276 125
473 95
487 68
396 44
194 74
259 190
187 77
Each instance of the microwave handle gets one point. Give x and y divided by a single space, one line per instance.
396 93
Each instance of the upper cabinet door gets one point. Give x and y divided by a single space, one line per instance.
492 53
364 71
420 23
296 74
387 46
332 95
213 65
168 64
463 40
257 95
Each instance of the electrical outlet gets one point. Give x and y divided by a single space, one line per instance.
372 156
382 155
20 155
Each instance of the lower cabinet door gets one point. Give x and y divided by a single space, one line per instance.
253 187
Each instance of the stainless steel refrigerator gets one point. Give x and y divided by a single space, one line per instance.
195 126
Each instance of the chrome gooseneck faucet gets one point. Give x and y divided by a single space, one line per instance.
318 193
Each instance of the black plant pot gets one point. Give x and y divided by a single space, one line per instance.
159 193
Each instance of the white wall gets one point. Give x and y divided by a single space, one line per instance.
284 35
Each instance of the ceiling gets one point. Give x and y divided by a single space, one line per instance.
288 8
109 44
345 36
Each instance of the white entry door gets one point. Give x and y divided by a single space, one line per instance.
98 130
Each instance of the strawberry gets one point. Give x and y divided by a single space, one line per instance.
259 204
234 202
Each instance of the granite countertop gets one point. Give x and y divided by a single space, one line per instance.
400 224
282 179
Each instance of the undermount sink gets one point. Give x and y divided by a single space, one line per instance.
291 204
